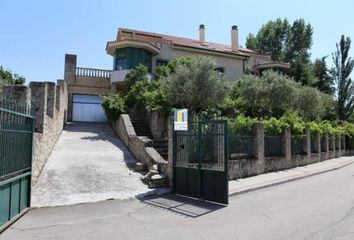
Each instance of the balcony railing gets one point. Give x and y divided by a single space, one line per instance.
92 72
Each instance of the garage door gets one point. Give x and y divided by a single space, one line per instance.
87 108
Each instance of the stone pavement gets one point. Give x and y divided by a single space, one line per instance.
270 179
88 164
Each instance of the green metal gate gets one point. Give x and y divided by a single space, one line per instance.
16 131
200 161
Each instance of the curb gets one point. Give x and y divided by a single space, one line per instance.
291 179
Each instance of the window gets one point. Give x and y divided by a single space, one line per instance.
161 63
220 70
122 64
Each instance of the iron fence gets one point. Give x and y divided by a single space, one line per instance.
273 146
323 144
330 143
349 143
240 146
314 145
297 145
15 142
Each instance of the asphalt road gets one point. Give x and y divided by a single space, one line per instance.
318 207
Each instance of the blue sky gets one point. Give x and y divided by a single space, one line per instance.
35 35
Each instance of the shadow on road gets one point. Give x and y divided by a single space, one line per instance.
183 206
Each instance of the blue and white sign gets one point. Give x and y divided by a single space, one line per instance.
180 119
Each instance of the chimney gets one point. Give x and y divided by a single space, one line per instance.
234 38
201 33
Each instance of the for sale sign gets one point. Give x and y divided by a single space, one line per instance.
180 119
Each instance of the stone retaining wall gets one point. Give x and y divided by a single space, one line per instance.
48 103
260 164
140 147
242 168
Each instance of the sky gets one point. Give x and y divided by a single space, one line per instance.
35 35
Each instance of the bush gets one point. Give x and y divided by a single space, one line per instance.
274 126
113 106
295 123
241 125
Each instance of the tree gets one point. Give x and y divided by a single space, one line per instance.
137 84
7 77
270 39
196 85
286 43
321 72
272 95
343 66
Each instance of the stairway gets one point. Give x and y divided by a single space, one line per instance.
161 146
141 127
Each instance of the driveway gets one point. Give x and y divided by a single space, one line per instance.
88 164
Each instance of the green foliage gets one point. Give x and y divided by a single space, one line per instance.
156 99
315 127
272 95
7 77
241 125
321 72
137 74
271 39
113 106
274 126
195 85
137 85
286 43
268 96
343 67
295 123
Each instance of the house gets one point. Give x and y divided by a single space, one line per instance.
133 47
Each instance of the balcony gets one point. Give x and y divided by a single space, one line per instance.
118 76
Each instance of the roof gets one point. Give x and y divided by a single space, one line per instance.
184 42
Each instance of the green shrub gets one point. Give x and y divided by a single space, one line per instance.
241 125
274 126
315 127
295 123
113 106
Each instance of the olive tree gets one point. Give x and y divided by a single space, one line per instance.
196 85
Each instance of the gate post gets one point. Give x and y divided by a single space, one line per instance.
258 131
170 158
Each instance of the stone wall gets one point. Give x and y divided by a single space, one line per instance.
140 147
242 168
48 105
158 125
259 164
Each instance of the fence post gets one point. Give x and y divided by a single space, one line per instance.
325 135
333 145
307 145
344 152
258 133
287 143
170 151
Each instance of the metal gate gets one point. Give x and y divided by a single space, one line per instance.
200 161
16 131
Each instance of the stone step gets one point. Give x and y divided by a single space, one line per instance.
161 150
161 145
